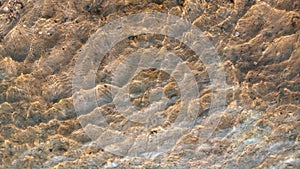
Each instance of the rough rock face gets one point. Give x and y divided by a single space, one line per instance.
258 43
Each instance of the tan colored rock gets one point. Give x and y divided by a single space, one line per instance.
40 127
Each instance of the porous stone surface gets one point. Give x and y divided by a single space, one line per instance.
258 42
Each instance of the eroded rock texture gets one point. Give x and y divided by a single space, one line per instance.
258 42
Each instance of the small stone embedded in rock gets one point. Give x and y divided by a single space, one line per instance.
136 89
158 1
237 34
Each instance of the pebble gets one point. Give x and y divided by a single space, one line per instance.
111 165
159 2
6 10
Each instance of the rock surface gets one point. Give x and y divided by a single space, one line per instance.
258 42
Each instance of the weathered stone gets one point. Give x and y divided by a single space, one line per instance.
41 42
